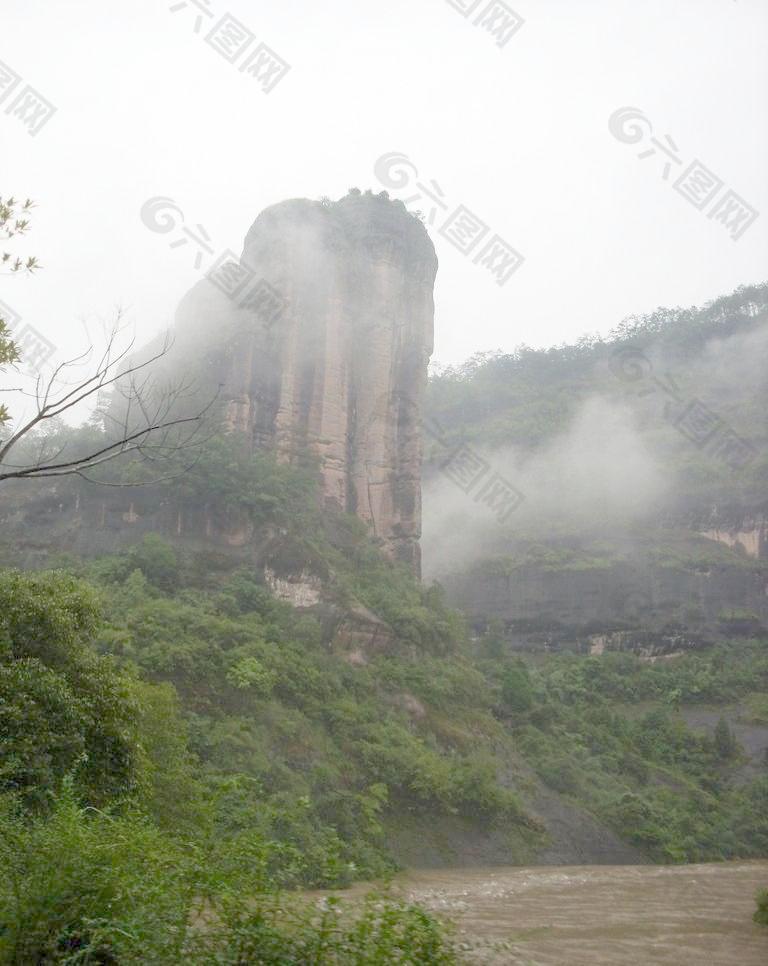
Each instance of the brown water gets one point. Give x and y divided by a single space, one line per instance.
603 915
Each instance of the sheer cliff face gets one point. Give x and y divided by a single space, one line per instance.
342 364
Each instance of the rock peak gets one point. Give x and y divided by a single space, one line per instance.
341 367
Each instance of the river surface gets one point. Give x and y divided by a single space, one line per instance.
602 915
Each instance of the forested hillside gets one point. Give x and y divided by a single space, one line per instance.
229 721
659 364
640 462
214 724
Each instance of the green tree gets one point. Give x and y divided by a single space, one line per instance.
62 706
761 915
493 640
14 221
157 560
725 742
9 354
85 886
516 690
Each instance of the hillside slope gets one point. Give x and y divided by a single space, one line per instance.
641 464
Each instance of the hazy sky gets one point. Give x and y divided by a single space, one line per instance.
518 134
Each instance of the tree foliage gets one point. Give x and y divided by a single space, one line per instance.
85 886
64 708
14 221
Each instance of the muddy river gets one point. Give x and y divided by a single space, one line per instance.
602 915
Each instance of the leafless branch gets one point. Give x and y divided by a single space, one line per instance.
147 420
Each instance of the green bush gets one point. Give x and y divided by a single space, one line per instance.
726 745
81 883
560 774
86 886
516 690
60 702
761 914
209 686
157 560
266 699
672 792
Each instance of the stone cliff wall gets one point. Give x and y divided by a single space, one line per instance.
331 352
643 607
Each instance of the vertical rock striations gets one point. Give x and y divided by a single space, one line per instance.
342 366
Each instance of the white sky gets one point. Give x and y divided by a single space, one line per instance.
518 134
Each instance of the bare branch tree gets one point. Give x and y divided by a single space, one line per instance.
144 420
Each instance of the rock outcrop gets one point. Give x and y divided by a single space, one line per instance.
653 609
328 323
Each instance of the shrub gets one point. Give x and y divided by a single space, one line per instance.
761 914
560 774
157 560
59 701
726 745
516 691
84 886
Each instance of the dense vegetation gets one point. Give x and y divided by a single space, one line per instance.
264 696
114 849
201 721
178 747
661 393
761 916
526 398
607 731
88 886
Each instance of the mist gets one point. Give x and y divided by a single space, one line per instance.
598 473
606 473
384 482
